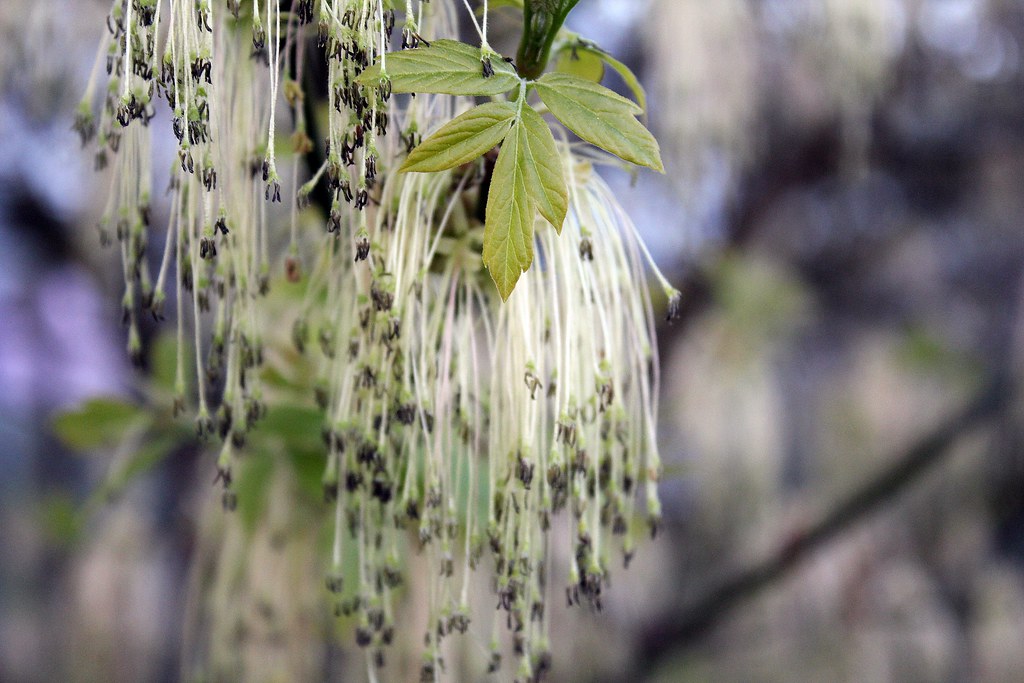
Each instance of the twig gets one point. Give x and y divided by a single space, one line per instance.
673 631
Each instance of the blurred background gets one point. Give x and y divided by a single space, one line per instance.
841 418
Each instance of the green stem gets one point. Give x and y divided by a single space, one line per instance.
542 20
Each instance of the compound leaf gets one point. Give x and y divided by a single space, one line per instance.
542 167
462 139
625 73
445 67
510 215
601 117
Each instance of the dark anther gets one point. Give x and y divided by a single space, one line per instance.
304 11
410 39
383 299
391 576
273 192
348 152
335 582
334 221
259 39
353 480
488 69
187 164
384 88
362 248
207 248
524 471
586 249
223 475
85 126
229 499
346 190
367 452
210 179
381 490
124 114
203 20
362 199
221 225
364 636
532 383
556 477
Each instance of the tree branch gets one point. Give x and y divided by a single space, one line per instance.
673 631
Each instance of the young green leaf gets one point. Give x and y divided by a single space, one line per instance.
445 67
497 4
508 226
600 117
542 167
627 75
585 64
98 422
462 139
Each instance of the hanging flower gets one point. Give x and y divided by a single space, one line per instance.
476 417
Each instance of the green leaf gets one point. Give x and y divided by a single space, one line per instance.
446 67
600 117
98 422
252 486
542 168
498 4
508 228
584 64
462 139
627 75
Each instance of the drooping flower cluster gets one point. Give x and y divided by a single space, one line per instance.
476 424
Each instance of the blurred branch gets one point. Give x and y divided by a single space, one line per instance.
672 631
